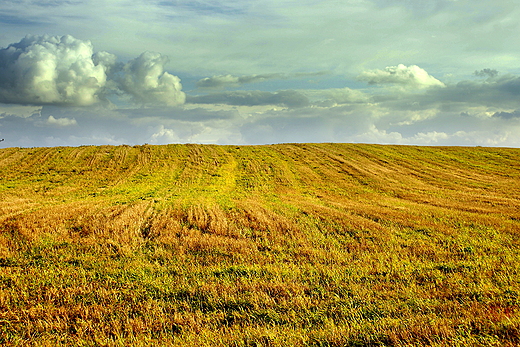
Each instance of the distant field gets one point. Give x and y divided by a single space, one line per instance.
279 245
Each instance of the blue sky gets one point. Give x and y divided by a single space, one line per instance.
439 72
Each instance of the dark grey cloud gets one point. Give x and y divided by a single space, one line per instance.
223 81
508 115
285 98
500 92
173 113
233 81
509 84
490 73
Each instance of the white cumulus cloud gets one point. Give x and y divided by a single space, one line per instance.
164 135
53 70
147 82
42 70
406 76
61 122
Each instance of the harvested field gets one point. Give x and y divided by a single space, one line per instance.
278 245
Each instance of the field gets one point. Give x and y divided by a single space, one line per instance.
278 245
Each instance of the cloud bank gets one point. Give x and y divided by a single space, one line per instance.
284 98
104 99
53 70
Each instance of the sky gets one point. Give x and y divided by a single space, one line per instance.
414 72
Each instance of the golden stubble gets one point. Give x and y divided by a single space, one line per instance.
293 244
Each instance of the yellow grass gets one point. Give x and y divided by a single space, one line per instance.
294 244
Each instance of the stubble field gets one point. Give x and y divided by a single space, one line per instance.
279 245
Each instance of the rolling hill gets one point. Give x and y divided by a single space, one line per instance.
276 245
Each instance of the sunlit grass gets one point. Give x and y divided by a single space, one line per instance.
304 245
